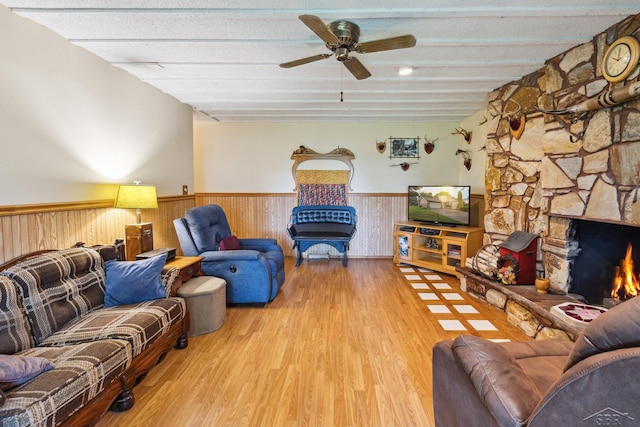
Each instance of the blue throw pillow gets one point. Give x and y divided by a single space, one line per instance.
129 282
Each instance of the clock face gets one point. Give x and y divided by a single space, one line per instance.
618 60
621 59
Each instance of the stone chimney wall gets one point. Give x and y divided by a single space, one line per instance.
562 166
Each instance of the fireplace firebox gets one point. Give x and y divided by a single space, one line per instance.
603 247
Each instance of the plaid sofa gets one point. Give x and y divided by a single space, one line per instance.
52 307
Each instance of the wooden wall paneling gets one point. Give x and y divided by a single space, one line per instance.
256 215
249 215
24 244
27 229
376 215
10 232
42 238
478 208
263 215
61 227
169 208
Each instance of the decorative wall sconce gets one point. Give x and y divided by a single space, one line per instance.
467 158
381 146
430 144
465 133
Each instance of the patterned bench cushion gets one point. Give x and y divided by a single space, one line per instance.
81 372
15 334
58 287
139 324
322 194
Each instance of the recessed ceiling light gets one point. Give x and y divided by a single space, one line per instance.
405 71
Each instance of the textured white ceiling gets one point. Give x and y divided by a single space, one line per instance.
221 57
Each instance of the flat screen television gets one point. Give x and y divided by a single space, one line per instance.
439 204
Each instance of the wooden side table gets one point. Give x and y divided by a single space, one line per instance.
189 266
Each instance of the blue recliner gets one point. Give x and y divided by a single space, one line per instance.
254 273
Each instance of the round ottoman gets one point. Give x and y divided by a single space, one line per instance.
206 299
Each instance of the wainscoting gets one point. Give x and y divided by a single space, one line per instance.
268 215
29 228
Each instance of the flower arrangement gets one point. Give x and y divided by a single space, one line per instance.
507 275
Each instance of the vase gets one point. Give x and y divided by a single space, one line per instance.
542 285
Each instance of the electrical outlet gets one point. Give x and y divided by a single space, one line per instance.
185 190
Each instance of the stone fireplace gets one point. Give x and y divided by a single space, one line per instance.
566 173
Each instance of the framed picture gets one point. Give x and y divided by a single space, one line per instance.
403 246
404 147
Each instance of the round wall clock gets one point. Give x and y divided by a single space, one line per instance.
621 59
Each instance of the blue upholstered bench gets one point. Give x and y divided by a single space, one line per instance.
331 225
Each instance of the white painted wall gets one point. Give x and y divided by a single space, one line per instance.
475 176
256 157
72 126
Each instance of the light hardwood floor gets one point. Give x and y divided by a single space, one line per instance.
337 347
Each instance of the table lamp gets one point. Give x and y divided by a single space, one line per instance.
139 236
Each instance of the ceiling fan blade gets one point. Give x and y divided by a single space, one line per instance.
399 42
356 68
316 25
305 60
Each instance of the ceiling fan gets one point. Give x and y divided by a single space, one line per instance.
341 37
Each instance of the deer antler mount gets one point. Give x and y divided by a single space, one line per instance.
467 158
465 133
516 120
429 145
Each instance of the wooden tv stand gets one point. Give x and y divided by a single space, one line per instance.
436 247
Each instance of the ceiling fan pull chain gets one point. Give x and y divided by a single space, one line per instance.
341 84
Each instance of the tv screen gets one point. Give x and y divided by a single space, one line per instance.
440 204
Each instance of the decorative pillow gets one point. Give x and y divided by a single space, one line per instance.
230 243
16 370
15 332
130 282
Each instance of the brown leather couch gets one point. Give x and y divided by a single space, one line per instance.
594 381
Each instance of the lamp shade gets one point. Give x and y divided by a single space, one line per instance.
136 197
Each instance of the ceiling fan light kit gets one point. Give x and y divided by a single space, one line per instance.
405 71
341 38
